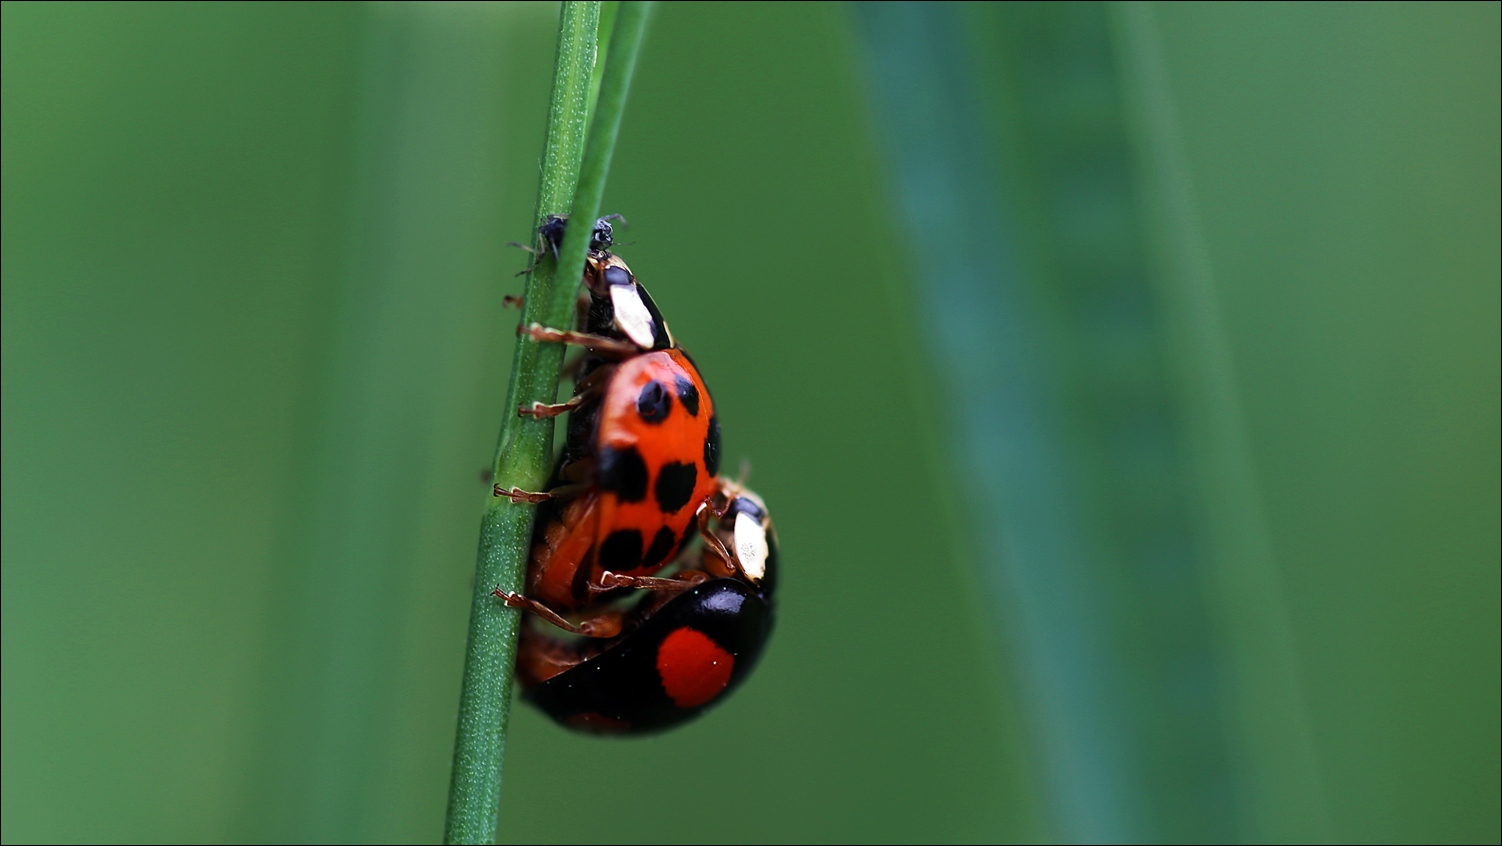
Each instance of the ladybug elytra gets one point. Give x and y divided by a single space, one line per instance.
636 480
680 653
647 456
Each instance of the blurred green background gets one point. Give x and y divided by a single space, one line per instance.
1210 310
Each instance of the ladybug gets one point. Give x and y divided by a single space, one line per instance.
621 318
640 461
680 653
643 462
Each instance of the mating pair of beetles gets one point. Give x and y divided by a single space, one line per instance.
657 634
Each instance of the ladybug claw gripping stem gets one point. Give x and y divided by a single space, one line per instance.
519 495
516 600
545 410
585 392
604 626
598 343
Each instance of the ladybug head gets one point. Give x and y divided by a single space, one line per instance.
747 532
603 238
600 240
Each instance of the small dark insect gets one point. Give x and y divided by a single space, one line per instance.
600 240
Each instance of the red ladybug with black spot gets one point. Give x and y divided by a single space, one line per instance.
640 460
651 462
681 652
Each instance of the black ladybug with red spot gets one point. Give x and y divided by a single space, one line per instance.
652 650
680 653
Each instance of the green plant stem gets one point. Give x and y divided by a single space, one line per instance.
620 64
521 460
608 8
568 186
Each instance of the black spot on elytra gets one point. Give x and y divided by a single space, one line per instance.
621 551
688 395
617 275
712 447
662 546
675 485
654 403
683 352
623 473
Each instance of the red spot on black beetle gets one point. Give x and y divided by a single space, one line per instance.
693 668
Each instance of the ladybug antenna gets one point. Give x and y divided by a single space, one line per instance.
745 472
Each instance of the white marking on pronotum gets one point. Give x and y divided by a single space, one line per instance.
751 546
632 316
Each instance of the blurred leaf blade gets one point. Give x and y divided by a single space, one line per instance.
1274 741
408 321
991 338
1095 364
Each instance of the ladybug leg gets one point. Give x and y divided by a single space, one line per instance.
518 495
604 346
586 391
509 301
686 579
708 512
603 625
544 409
